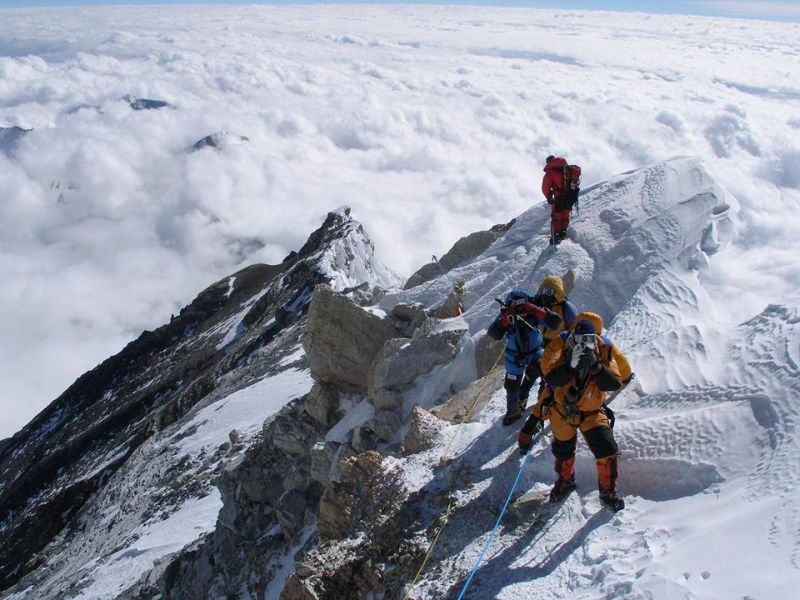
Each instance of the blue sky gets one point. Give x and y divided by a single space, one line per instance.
784 10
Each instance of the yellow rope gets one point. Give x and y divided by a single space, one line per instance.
451 505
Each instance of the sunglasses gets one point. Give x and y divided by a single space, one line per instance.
547 291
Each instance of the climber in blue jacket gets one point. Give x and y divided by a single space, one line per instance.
519 321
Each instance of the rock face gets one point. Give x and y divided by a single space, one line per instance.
355 503
364 551
10 137
488 353
218 140
351 350
342 339
403 361
424 430
145 103
269 497
470 401
412 316
467 247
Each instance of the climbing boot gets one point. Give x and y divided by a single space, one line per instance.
607 474
612 501
565 484
512 415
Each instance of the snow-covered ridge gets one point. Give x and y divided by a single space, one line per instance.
704 431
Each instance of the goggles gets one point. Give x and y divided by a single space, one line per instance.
547 291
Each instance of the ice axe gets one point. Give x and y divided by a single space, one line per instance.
516 316
610 399
621 389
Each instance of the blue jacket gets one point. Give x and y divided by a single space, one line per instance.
523 341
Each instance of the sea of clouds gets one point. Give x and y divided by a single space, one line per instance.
431 122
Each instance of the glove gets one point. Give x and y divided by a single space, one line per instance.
588 363
596 367
577 355
536 311
524 440
506 320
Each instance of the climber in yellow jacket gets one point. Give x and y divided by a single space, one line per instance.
551 295
582 365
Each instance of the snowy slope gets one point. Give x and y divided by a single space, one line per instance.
709 465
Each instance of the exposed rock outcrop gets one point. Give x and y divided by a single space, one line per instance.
424 431
145 103
269 498
467 247
366 491
411 316
469 402
218 140
364 551
488 354
10 138
403 361
342 339
237 332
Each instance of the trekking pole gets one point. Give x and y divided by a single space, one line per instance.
620 390
524 322
516 316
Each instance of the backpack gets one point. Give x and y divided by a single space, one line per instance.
571 187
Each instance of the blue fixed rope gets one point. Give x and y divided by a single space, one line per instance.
496 525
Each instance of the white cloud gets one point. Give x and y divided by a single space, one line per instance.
754 8
432 125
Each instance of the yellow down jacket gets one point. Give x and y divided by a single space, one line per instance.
557 354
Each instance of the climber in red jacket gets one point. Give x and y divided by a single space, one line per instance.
560 185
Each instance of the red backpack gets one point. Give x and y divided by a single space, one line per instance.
571 188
